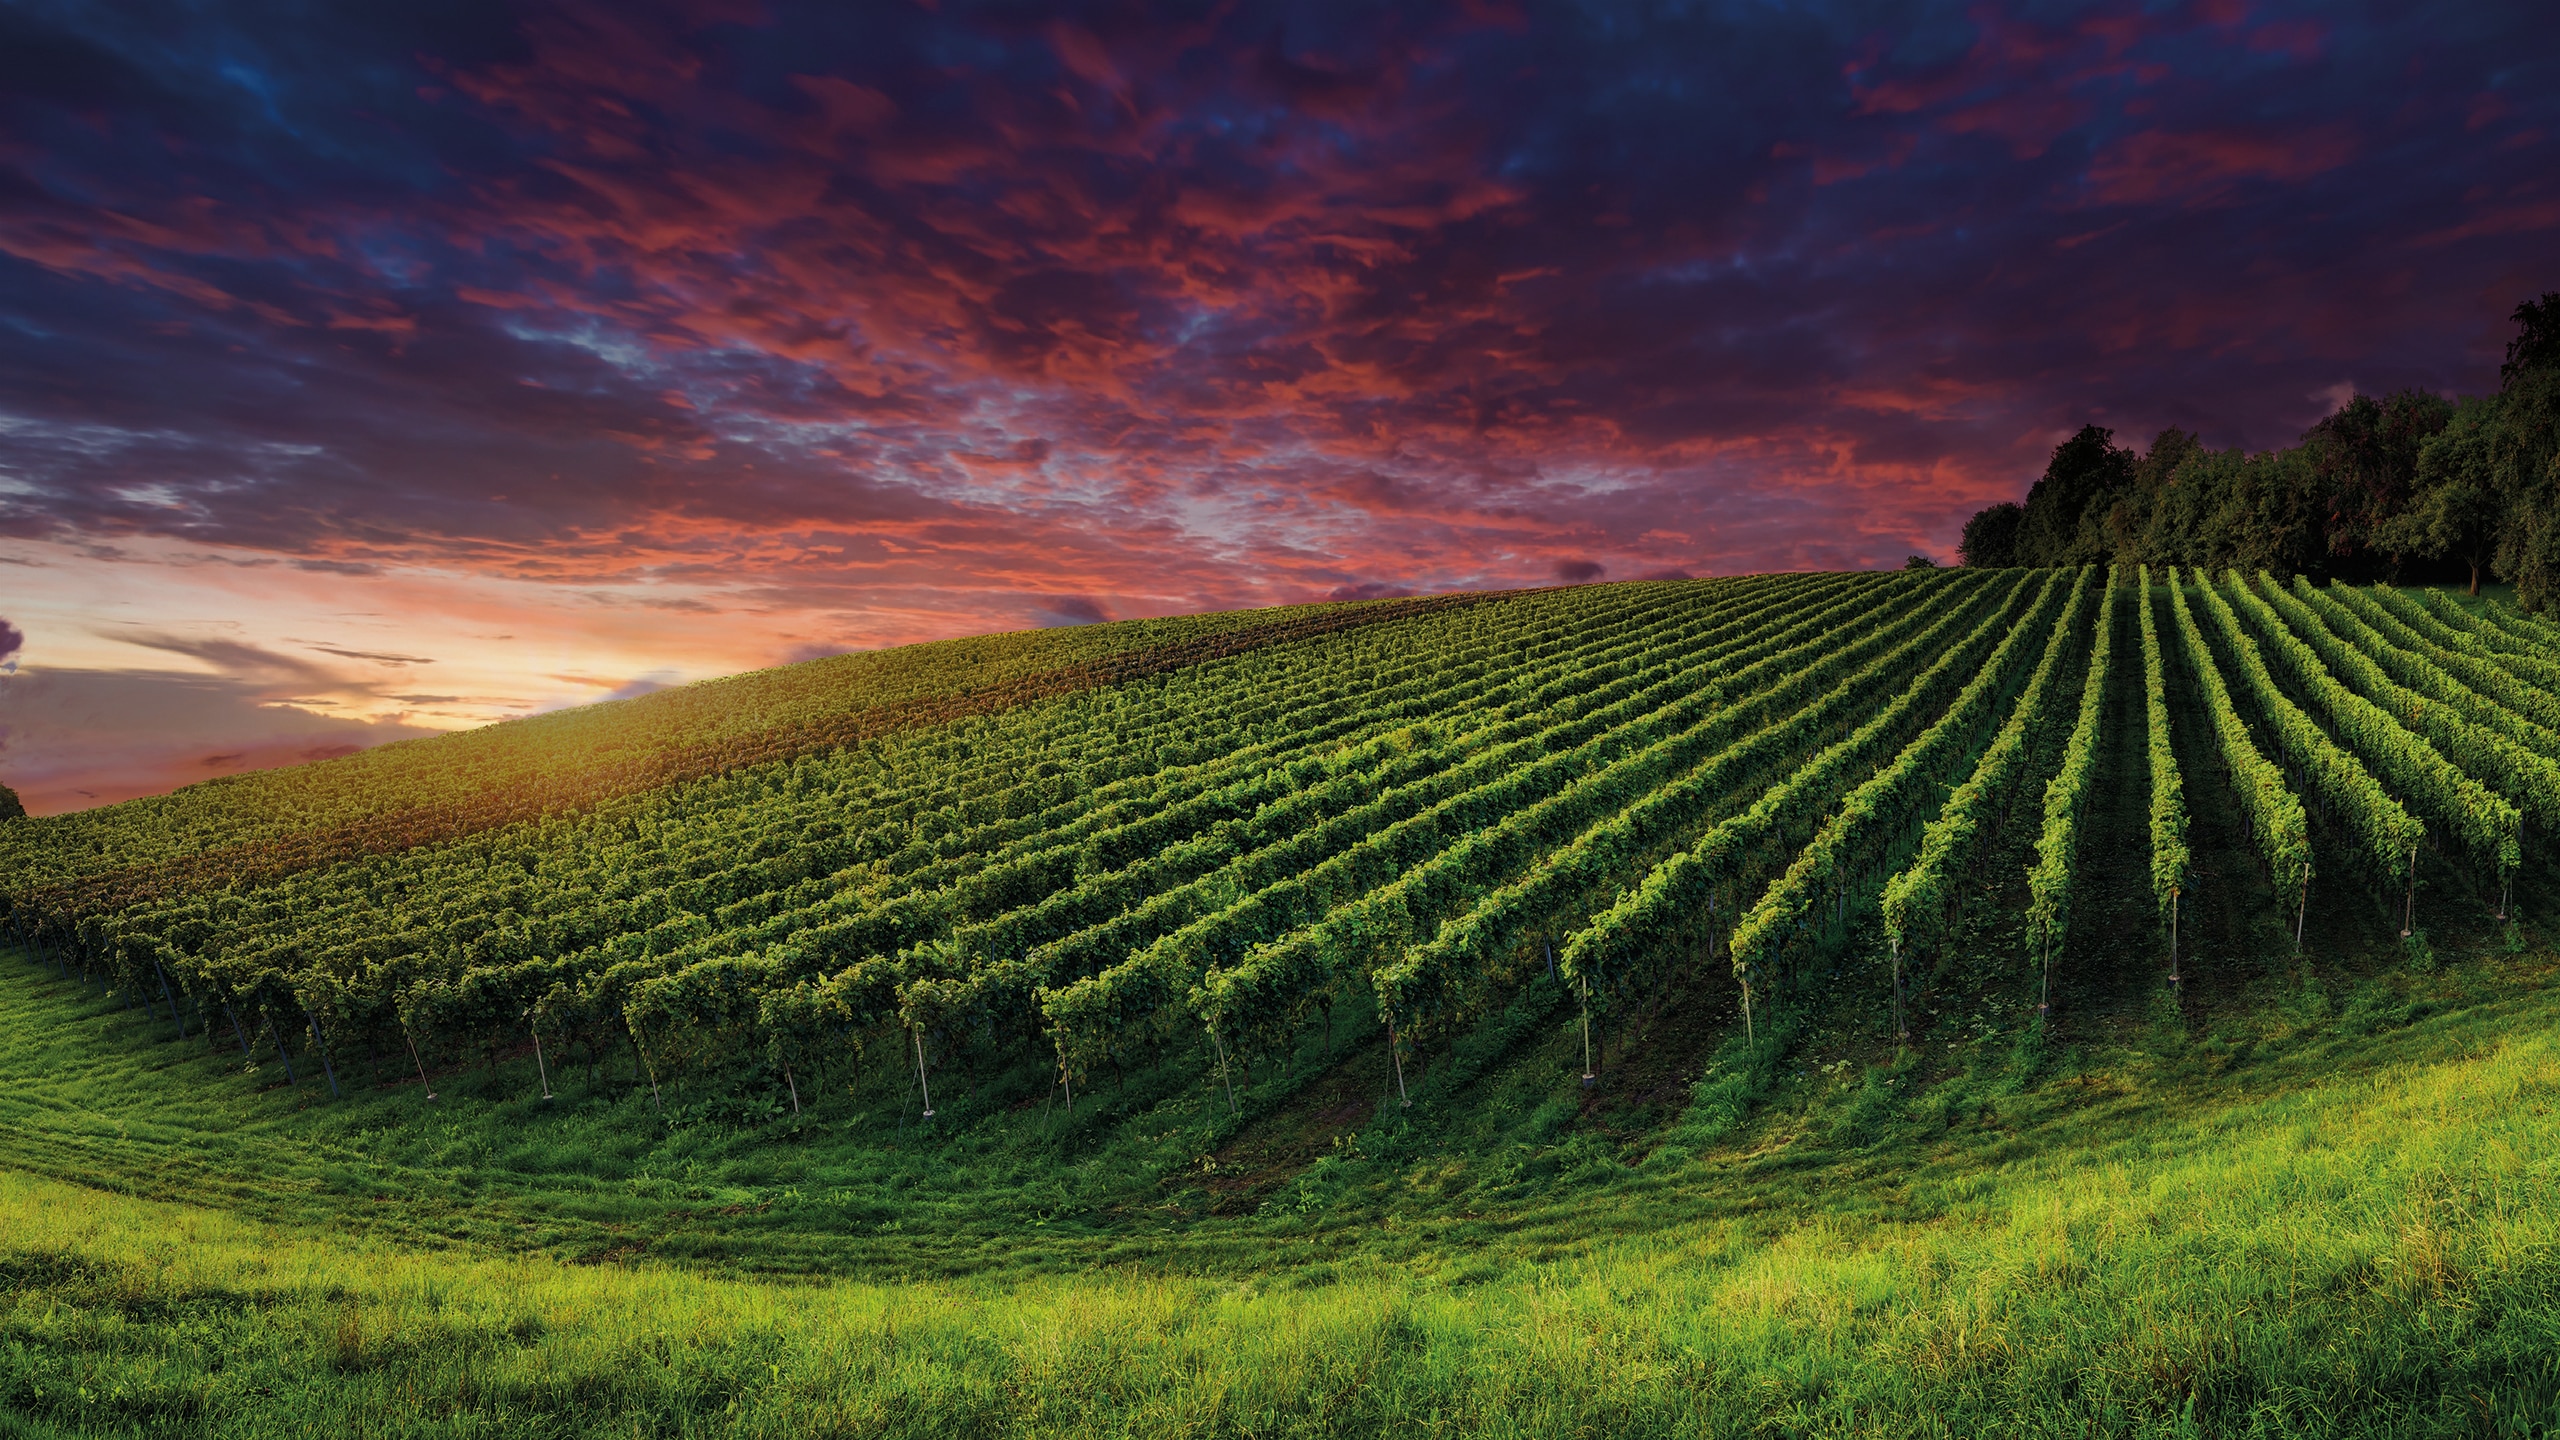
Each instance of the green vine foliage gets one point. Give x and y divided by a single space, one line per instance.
2387 835
2515 680
1889 802
2277 822
1629 814
2428 750
1920 903
1431 805
2170 859
1254 965
1651 919
2517 646
2426 677
2051 879
2534 634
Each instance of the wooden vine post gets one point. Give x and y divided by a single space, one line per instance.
423 1082
647 1062
539 1066
171 997
921 1083
2044 992
2409 915
1901 1025
277 1031
320 1047
1223 1077
1750 1036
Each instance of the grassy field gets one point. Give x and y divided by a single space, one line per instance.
2336 1214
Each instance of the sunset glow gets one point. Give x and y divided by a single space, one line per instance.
391 372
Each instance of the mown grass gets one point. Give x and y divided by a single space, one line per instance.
2379 1255
2342 1221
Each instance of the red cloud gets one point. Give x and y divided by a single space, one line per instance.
2155 166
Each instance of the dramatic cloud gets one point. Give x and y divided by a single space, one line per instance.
843 325
76 738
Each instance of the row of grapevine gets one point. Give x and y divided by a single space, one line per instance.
933 983
929 983
1611 824
2486 825
1921 902
2053 879
2449 625
2424 676
2387 835
2539 706
2170 858
695 785
1378 895
2277 822
274 823
1531 760
1886 804
1080 809
2527 782
1072 853
2515 645
1652 916
992 982
215 924
1607 782
2532 631
995 864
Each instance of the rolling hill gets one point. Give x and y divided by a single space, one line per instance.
2095 1001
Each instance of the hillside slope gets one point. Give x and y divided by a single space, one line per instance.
1379 971
2318 1219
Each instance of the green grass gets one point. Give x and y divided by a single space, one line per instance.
2327 1213
2501 591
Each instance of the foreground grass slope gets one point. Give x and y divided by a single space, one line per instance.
2362 1237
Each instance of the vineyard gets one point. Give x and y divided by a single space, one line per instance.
1068 855
1675 1007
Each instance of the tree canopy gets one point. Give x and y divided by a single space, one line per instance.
2375 486
1991 537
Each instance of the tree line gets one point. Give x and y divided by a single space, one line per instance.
2411 482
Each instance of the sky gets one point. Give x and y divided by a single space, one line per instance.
372 370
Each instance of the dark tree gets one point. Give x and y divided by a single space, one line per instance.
2456 510
10 808
2380 480
2537 341
2524 464
1918 562
2365 458
2066 509
1991 537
